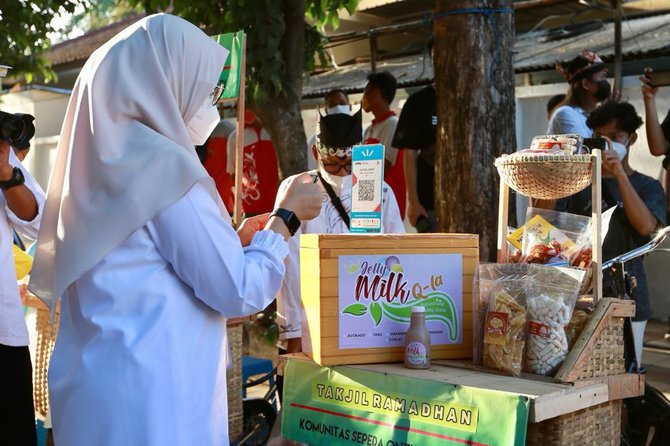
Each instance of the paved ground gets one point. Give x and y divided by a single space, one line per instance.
656 356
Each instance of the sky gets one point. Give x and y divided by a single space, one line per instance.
59 22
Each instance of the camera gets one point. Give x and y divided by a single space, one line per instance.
17 129
594 143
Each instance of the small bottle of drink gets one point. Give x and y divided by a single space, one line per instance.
417 341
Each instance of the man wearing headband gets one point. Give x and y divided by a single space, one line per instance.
332 151
586 75
336 101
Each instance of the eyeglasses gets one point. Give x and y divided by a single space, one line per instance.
336 167
217 92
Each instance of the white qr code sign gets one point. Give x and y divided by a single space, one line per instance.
367 172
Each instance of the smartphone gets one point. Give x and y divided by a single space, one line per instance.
659 78
594 143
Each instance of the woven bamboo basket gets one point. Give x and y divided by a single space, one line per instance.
46 339
234 376
547 177
600 425
597 353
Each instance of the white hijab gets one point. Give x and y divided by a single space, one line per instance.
124 153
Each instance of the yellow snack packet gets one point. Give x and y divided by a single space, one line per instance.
22 261
542 230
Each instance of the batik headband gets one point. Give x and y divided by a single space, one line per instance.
592 61
340 152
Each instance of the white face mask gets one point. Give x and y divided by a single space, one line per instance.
203 123
338 109
620 149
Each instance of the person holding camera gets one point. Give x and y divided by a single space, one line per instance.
22 202
658 133
638 198
137 242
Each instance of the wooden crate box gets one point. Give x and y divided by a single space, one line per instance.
323 258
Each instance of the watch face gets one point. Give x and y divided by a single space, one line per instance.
290 219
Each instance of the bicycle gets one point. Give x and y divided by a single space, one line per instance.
648 416
259 414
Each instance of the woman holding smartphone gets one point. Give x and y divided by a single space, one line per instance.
658 134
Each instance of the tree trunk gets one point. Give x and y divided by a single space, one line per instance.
280 113
475 110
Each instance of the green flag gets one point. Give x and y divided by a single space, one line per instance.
231 72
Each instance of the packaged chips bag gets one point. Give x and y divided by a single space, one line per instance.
500 324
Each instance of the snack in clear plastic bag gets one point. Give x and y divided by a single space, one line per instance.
547 340
550 300
557 144
504 334
500 322
513 249
551 237
580 317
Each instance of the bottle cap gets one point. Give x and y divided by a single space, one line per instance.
418 309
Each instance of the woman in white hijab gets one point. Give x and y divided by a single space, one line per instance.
136 240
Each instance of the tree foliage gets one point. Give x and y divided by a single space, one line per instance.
26 27
263 21
99 13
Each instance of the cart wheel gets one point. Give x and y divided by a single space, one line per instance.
259 417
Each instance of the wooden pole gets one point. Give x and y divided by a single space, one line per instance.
617 4
503 221
239 140
596 223
373 51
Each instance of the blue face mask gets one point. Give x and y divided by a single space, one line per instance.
338 109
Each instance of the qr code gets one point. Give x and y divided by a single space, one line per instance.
366 190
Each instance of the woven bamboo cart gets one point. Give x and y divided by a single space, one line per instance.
46 339
596 362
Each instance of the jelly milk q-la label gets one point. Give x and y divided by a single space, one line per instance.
377 293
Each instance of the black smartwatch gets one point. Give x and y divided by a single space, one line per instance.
291 220
17 179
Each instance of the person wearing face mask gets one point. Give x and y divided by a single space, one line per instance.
639 200
336 101
588 86
136 240
338 133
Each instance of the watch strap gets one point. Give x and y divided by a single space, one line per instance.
289 218
17 179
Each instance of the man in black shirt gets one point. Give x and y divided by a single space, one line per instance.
640 200
416 131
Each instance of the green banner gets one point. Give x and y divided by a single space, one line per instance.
344 405
232 68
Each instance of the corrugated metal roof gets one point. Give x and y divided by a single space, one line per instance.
408 70
640 37
648 36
